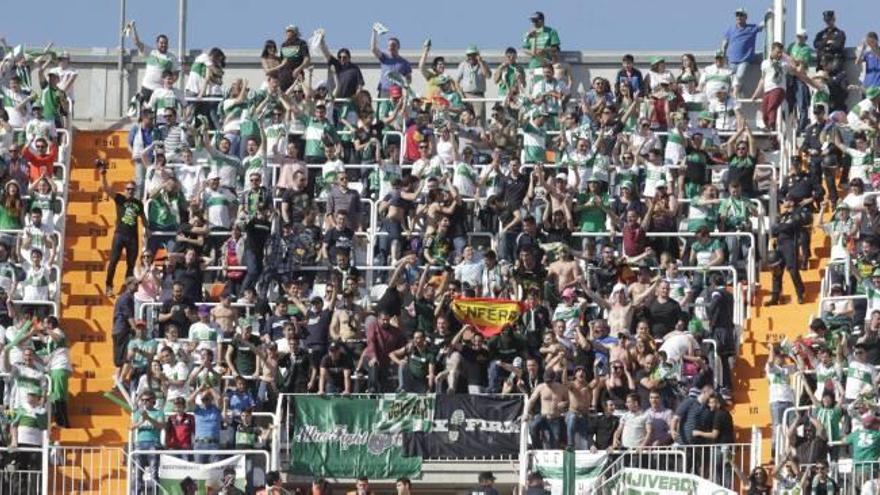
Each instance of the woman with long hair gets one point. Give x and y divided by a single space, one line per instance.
11 207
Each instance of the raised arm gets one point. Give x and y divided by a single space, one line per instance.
374 44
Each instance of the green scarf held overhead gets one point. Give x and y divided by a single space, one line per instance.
20 335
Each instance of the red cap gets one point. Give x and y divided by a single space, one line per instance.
395 91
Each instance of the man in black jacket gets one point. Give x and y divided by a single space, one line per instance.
720 312
829 44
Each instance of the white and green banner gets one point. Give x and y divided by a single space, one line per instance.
173 470
632 481
569 473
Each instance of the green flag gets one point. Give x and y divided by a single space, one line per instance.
568 473
340 437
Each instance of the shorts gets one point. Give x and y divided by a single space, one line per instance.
739 71
120 348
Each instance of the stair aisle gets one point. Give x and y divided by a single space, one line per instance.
86 311
788 320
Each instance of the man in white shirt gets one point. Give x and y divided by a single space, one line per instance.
66 75
772 83
635 428
158 61
716 76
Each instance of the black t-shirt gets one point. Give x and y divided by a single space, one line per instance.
663 317
602 427
349 78
127 212
476 365
274 326
317 328
191 277
122 311
505 349
338 240
723 422
513 191
295 51
336 368
297 204
258 231
296 372
178 316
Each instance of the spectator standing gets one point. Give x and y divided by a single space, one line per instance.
382 339
829 44
540 42
471 79
335 372
295 58
868 52
209 421
635 426
123 324
180 427
391 62
125 234
779 375
553 395
772 84
158 61
739 46
147 421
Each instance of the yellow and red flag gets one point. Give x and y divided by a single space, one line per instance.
487 315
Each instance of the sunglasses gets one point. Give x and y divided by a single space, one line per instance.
129 189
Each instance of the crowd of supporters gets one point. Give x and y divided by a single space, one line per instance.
37 97
304 234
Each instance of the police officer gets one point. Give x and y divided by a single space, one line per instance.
829 44
815 136
788 230
805 189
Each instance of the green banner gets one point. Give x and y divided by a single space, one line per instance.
173 470
347 437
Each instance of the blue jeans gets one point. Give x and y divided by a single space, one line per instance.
541 424
254 266
739 71
497 374
777 410
576 430
149 463
206 444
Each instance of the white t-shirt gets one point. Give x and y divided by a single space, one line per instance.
465 179
157 63
858 377
444 151
773 74
780 384
716 78
677 346
635 428
65 75
179 371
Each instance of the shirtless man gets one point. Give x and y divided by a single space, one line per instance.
554 400
225 315
643 283
398 204
566 270
579 401
345 324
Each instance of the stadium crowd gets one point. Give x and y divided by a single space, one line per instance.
309 235
37 96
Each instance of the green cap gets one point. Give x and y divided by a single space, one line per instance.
656 60
719 54
876 272
706 115
627 184
442 79
872 92
472 50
